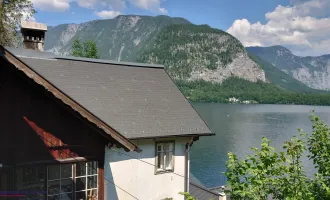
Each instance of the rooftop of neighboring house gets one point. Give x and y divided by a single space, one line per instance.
199 191
137 100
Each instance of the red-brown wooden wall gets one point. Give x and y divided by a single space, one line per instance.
27 109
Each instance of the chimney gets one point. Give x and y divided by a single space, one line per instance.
33 35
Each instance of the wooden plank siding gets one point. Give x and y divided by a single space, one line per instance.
22 101
33 121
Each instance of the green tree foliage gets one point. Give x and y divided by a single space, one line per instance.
77 49
88 49
269 173
11 14
187 196
265 93
319 153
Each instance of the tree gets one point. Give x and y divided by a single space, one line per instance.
88 49
11 14
280 174
319 153
77 49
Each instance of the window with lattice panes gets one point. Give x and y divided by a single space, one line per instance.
72 181
164 156
86 180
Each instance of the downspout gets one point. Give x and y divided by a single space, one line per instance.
186 162
186 168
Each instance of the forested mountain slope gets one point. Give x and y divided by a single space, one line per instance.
191 52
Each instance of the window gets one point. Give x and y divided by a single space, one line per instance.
59 182
77 181
164 156
30 180
86 180
62 187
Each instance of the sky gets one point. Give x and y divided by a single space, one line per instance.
303 26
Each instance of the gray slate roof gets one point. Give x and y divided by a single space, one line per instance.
137 101
30 53
199 191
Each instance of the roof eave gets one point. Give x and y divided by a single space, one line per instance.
173 136
20 65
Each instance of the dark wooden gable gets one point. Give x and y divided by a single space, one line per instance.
36 127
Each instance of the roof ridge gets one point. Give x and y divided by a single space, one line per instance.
103 61
40 58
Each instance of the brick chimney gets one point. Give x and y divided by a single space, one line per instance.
33 35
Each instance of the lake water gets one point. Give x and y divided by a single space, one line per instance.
240 127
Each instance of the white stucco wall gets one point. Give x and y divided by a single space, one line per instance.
138 178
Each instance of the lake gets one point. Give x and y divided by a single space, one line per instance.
239 127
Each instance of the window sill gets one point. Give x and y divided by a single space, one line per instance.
164 171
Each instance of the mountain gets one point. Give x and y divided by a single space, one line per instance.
282 79
189 52
117 39
211 54
192 52
313 71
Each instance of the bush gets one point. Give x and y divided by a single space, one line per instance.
268 173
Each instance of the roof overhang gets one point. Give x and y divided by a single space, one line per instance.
174 136
37 78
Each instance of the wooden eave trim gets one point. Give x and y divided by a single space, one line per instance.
68 101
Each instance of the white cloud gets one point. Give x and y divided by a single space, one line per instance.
152 5
52 5
115 5
107 14
304 27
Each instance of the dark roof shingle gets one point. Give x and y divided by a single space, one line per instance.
138 102
199 191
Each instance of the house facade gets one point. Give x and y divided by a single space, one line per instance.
147 181
75 128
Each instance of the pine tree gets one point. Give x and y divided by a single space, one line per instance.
11 14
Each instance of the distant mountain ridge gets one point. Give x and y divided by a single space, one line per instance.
313 71
189 52
194 51
117 39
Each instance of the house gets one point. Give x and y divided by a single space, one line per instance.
77 128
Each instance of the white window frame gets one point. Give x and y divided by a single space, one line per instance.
87 190
165 154
73 179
